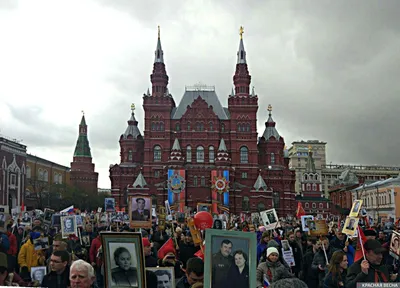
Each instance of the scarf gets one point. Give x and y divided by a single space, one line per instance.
380 277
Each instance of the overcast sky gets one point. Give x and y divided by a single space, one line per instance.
330 69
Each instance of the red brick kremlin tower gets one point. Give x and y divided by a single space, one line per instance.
82 173
202 152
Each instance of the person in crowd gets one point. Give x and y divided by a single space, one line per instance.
370 234
28 257
194 273
170 260
58 277
262 245
238 274
336 277
96 261
149 259
187 248
13 250
268 271
221 263
297 253
338 242
319 264
370 269
81 275
308 275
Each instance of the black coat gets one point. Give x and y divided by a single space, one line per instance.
237 279
57 281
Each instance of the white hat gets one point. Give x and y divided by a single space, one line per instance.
271 250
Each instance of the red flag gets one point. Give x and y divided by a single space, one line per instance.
300 210
166 248
200 253
359 252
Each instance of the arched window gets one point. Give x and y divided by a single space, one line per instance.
244 155
203 181
308 187
321 206
195 181
200 154
153 126
222 127
306 205
211 155
211 126
316 177
162 126
272 158
28 172
245 203
188 154
45 176
239 127
158 126
157 153
314 205
260 207
177 127
60 180
188 126
130 155
314 187
306 177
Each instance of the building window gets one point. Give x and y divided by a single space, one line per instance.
260 207
211 154
239 127
222 127
55 178
157 153
200 154
162 126
272 158
188 126
211 126
248 127
60 180
153 126
314 187
276 200
308 187
203 181
306 205
156 174
45 176
177 127
199 126
130 155
13 179
28 172
244 155
189 154
321 206
314 205
244 175
40 174
195 181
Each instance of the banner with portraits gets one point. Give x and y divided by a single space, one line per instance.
176 188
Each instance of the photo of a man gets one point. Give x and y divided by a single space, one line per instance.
221 263
350 225
164 278
140 214
68 226
109 204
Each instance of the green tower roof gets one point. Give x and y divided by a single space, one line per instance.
82 148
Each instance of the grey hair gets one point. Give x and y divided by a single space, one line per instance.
79 264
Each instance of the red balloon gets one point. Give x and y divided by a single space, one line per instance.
203 220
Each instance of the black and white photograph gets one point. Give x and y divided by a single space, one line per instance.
285 245
26 218
355 209
217 224
140 212
86 240
304 224
203 207
56 220
270 219
79 220
37 273
230 254
68 226
109 205
124 260
41 243
102 219
165 276
350 225
48 213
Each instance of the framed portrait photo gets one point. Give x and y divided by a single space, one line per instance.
165 276
38 273
48 213
240 249
41 243
26 219
109 205
123 260
395 245
355 209
203 207
304 220
270 219
68 226
140 212
350 226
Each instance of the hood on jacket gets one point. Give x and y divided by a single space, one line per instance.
273 243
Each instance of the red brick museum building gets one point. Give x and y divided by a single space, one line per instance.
214 152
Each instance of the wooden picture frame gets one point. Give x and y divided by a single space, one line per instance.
162 272
68 226
216 274
140 218
123 245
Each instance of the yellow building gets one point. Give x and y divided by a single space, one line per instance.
380 198
43 177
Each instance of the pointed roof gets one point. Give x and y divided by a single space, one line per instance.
260 184
310 166
132 129
82 148
233 92
159 54
241 54
176 146
140 181
222 146
253 92
270 130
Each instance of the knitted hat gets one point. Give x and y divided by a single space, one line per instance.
272 243
271 250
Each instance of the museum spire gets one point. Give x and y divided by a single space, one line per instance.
242 78
159 77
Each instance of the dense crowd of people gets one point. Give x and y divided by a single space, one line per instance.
327 261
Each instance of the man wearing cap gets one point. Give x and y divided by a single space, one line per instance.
149 259
369 270
370 234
